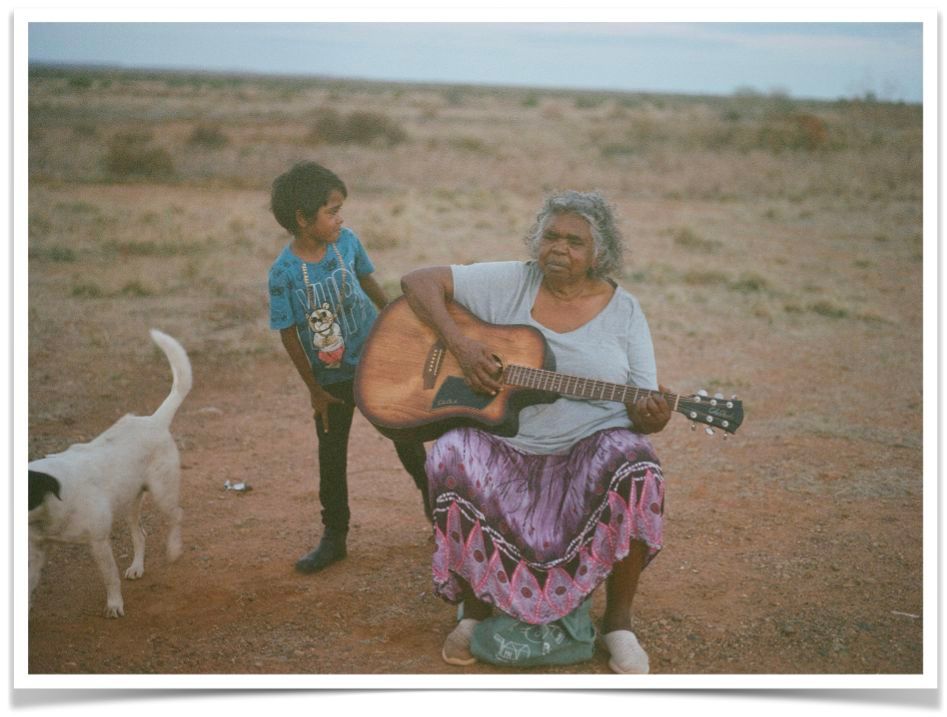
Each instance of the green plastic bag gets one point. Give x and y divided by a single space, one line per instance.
504 640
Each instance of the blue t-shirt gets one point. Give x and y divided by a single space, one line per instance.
327 305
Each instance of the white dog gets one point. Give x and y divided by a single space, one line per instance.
75 495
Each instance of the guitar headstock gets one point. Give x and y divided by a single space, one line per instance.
712 412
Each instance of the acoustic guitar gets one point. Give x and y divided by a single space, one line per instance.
410 387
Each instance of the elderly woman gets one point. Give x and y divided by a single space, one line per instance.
576 497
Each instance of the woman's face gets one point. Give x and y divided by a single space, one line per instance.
566 248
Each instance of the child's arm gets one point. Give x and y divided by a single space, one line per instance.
374 291
318 398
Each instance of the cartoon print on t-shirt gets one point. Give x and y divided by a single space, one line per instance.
332 311
326 336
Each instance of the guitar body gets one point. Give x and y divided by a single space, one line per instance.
410 387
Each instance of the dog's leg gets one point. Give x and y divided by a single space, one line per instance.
176 515
137 568
102 552
36 563
165 494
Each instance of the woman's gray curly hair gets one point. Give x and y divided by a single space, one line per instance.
600 216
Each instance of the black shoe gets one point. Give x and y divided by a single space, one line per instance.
331 549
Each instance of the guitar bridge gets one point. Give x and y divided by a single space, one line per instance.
432 365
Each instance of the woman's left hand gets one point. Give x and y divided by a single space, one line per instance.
650 414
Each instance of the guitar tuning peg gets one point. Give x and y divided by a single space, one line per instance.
701 392
709 431
718 395
733 397
693 426
726 436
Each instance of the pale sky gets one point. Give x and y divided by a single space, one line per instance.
817 60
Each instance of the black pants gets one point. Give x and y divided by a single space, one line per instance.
333 459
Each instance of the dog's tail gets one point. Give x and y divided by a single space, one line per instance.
181 370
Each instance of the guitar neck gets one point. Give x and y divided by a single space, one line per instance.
576 387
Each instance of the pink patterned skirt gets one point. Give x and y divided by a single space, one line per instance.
534 535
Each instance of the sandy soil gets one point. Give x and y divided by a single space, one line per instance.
755 578
787 275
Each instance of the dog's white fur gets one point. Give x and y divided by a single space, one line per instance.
108 477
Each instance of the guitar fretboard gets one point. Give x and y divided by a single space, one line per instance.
577 387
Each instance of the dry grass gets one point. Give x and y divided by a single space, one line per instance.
749 206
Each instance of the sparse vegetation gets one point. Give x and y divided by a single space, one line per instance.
704 277
358 127
152 247
135 288
468 144
209 136
749 283
87 290
687 238
131 154
61 254
617 149
829 309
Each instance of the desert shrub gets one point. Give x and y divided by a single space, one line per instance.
617 149
80 82
210 136
827 308
84 129
696 277
150 247
135 288
61 254
132 154
365 127
328 127
454 96
801 131
358 127
749 283
687 238
467 144
811 131
584 102
85 290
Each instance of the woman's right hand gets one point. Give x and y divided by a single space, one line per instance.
320 401
479 365
428 291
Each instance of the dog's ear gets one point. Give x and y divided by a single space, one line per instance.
42 484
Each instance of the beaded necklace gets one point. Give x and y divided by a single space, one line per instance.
309 289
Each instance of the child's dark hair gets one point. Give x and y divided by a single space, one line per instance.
307 187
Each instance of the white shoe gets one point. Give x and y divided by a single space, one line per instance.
627 656
456 650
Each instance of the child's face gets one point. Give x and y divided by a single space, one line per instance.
325 226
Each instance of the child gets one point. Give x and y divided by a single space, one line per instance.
323 300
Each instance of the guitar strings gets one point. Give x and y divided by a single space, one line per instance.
545 380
